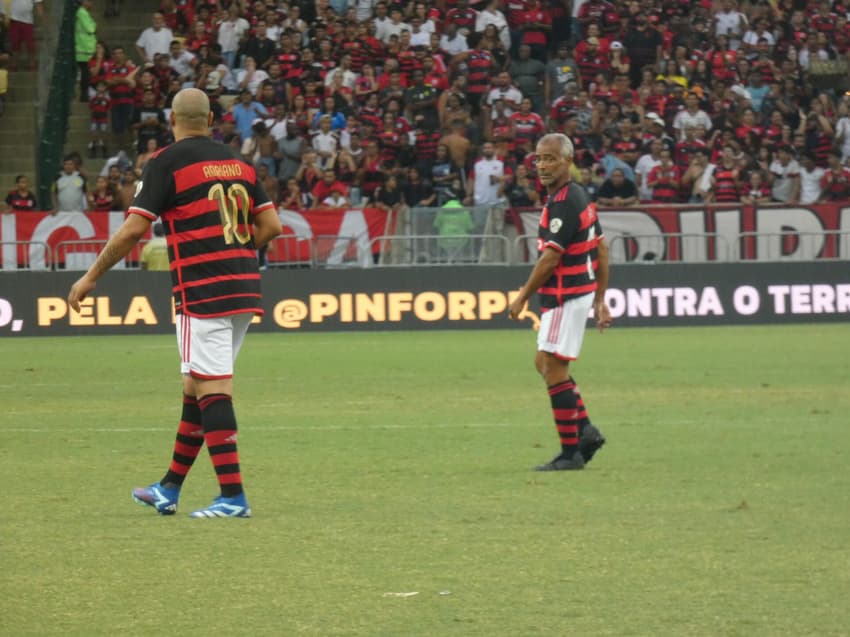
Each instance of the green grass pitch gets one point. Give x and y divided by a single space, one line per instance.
399 463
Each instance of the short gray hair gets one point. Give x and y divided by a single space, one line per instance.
563 142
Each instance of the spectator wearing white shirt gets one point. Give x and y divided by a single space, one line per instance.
325 142
842 131
643 167
251 78
364 9
181 61
349 77
488 174
230 32
785 177
752 37
419 36
731 23
810 179
155 39
394 27
452 41
491 15
504 90
692 115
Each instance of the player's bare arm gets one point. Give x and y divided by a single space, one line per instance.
543 269
600 309
266 227
118 247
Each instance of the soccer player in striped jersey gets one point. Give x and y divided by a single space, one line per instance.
216 215
571 276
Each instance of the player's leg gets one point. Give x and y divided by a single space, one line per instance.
163 495
559 341
217 342
590 439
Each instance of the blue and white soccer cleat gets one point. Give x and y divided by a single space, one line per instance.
157 496
235 507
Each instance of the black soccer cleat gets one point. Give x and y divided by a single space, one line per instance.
589 442
562 463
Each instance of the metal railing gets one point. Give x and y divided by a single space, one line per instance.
334 251
25 255
437 250
681 247
794 246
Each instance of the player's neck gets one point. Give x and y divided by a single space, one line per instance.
555 186
180 135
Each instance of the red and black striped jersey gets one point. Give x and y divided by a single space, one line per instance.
530 127
726 184
426 145
478 71
462 18
99 107
206 197
836 184
19 202
359 54
665 183
121 93
570 225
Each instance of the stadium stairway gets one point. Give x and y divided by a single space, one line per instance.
17 123
17 130
123 30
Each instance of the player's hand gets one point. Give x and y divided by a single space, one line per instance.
602 315
516 308
79 291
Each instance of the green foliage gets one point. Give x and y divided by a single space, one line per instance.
398 463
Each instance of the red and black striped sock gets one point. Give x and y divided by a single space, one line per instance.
187 446
566 412
584 420
220 435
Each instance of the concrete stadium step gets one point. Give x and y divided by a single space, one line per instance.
16 164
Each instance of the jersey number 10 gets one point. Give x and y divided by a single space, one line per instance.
231 205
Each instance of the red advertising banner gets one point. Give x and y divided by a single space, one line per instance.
719 233
39 240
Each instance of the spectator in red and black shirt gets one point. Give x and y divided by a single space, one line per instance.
21 199
664 179
215 216
99 107
121 80
835 183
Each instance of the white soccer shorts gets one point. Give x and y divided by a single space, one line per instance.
209 346
562 328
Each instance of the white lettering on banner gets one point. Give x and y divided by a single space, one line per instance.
116 220
47 226
844 236
296 222
810 299
774 223
645 230
692 222
746 300
656 302
727 226
354 227
8 233
7 316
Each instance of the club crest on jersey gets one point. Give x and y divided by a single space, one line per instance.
555 225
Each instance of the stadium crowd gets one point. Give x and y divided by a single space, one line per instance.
424 102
